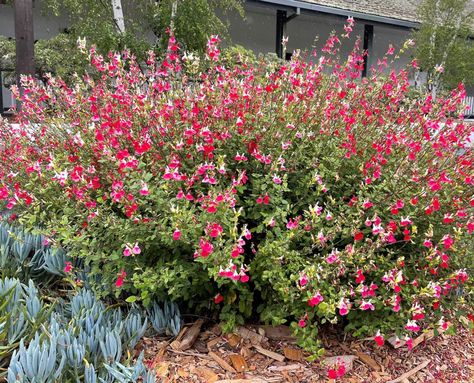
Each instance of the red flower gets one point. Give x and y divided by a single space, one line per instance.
214 230
120 279
360 276
315 300
176 235
218 299
68 267
358 236
206 248
379 339
332 373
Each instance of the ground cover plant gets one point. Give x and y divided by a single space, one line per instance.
292 191
55 329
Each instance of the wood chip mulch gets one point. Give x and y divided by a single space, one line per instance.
263 354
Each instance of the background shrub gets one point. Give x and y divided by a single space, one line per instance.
293 190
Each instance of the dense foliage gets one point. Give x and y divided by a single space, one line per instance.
444 45
292 190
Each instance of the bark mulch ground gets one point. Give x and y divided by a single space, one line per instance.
263 354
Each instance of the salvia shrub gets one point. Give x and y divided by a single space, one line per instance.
293 190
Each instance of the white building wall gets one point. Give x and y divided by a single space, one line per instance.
308 31
256 31
385 35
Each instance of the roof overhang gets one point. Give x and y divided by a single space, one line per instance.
292 4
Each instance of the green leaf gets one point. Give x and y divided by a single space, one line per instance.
131 299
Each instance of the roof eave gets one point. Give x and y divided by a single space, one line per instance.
342 12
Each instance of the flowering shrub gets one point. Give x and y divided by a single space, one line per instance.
295 190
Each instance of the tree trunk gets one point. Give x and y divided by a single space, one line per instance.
24 38
118 15
174 10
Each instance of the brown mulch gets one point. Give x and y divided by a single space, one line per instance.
263 355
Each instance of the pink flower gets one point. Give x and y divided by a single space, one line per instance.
343 307
302 323
244 278
405 221
448 218
322 238
367 305
214 230
303 280
206 248
144 189
367 204
176 235
443 324
236 251
247 234
277 179
127 252
333 257
412 326
409 342
448 241
315 300
136 249
240 157
68 267
377 229
470 227
292 224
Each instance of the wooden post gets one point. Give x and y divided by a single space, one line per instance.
281 17
2 108
368 47
24 38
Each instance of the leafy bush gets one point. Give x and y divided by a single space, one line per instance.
293 190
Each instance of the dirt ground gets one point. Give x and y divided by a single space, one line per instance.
260 354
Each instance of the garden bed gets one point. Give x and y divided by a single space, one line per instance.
443 358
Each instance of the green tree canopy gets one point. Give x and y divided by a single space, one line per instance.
444 42
146 28
146 21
